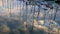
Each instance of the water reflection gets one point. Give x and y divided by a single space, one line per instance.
17 17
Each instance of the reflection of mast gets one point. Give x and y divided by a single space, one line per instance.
33 13
50 26
23 10
44 15
38 12
45 11
33 16
7 12
20 11
58 27
54 17
26 13
25 23
9 9
17 8
55 14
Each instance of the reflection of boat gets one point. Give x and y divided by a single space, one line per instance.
47 22
51 24
58 2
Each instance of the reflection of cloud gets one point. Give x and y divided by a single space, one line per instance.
14 11
39 26
5 28
41 15
53 22
1 3
41 22
55 29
